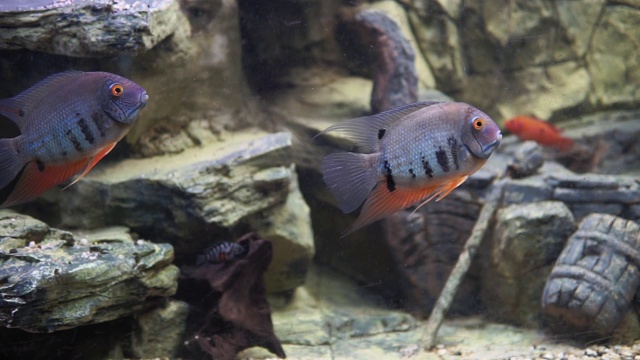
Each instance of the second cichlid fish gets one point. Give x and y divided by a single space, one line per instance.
409 156
68 122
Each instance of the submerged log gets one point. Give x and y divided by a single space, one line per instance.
395 78
596 275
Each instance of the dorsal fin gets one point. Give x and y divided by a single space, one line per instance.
19 106
365 131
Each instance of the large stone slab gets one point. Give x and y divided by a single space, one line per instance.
89 28
54 280
245 182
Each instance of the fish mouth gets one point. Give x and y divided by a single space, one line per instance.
133 112
488 149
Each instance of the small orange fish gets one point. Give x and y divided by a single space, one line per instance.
530 128
410 155
68 122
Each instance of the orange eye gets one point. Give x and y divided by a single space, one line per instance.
117 89
478 124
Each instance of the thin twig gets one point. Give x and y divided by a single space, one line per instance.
462 266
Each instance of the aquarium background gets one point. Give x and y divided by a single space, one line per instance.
225 150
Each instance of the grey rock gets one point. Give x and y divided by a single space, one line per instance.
288 227
595 188
597 195
528 190
62 280
160 331
322 94
578 21
527 160
608 62
89 29
439 39
245 179
582 210
587 51
607 143
329 308
526 241
396 12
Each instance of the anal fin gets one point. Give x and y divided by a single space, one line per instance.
382 202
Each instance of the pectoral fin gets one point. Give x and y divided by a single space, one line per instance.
93 161
36 178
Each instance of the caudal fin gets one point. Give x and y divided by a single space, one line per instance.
10 164
350 178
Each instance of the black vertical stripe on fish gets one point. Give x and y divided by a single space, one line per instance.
453 144
221 252
413 175
7 190
86 131
40 165
74 141
427 167
100 122
391 184
443 159
381 133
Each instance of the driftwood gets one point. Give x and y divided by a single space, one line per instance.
464 262
425 245
237 315
596 276
395 78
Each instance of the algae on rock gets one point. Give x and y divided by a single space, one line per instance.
54 280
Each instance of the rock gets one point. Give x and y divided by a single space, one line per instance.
606 143
320 93
89 29
527 160
611 63
203 194
281 35
547 57
527 190
526 241
579 22
55 280
541 91
596 276
288 227
160 331
395 11
330 311
439 40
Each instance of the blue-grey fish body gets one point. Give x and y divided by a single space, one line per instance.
409 156
67 123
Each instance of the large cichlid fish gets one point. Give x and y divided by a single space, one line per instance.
410 155
68 122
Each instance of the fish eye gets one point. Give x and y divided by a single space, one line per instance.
117 89
478 123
